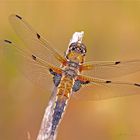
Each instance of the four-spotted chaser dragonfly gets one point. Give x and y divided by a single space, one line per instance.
44 65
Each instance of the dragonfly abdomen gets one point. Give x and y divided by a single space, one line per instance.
58 112
65 87
64 90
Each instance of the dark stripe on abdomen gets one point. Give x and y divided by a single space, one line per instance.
58 112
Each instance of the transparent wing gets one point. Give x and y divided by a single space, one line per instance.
111 69
34 41
99 89
29 64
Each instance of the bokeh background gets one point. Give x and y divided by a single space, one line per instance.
112 32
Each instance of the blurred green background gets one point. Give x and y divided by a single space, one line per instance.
112 32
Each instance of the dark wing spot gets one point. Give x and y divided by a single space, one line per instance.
34 57
117 62
108 81
137 84
18 17
38 36
7 41
85 82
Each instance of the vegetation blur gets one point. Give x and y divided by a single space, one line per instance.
112 32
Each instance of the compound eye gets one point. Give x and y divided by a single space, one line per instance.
81 51
73 48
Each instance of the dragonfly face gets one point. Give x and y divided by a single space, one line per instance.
76 52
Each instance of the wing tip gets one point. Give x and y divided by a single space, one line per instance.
108 81
33 57
117 62
18 16
7 41
38 36
136 84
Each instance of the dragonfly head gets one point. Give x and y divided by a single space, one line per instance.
76 52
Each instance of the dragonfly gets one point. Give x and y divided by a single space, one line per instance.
69 73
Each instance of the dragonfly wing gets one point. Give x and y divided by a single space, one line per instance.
30 65
100 89
111 69
37 74
35 42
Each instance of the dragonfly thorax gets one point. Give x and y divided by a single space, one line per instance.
73 65
71 73
71 69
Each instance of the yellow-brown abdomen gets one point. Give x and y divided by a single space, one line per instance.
65 87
